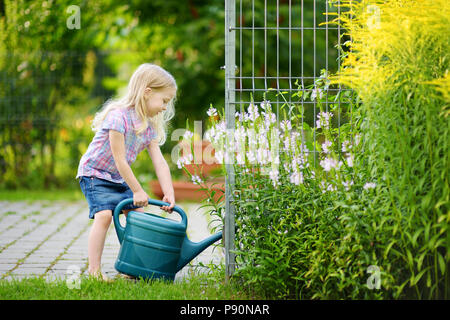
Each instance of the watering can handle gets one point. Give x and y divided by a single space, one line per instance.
118 210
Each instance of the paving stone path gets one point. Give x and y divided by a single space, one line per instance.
50 238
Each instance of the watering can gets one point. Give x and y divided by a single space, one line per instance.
154 247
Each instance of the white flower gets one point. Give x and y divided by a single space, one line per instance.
295 135
209 134
240 116
296 178
251 157
216 134
196 179
316 92
253 113
212 112
286 125
273 174
328 163
369 185
347 184
346 146
276 133
265 105
180 163
286 143
219 155
262 140
350 160
327 187
323 119
301 155
184 161
269 118
326 145
221 127
299 161
251 135
240 159
188 135
262 156
239 134
262 129
357 139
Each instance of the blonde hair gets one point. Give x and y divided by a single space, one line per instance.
147 75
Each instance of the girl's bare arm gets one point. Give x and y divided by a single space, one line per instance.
163 174
117 141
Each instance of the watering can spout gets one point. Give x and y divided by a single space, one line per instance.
190 250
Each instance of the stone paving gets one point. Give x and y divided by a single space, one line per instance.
50 239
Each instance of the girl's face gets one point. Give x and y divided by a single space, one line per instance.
156 101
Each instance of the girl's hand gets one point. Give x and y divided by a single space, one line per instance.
171 200
140 198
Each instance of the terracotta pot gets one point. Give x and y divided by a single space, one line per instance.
185 190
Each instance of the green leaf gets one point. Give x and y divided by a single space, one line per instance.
427 232
420 260
410 258
429 279
415 236
441 263
417 278
400 288
388 248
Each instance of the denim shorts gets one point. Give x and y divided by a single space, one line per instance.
104 195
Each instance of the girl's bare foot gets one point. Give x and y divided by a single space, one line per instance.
126 276
100 276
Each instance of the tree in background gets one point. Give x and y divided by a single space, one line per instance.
43 57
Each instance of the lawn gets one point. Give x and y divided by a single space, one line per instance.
41 194
197 287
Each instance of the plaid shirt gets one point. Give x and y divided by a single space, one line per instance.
98 160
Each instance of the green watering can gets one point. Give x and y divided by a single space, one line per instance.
154 247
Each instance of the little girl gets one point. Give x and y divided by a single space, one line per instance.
124 128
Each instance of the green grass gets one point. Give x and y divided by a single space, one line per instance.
32 195
197 287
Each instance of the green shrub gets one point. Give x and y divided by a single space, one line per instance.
286 183
405 138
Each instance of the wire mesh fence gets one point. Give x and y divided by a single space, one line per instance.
279 51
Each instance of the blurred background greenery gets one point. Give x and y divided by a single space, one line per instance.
54 77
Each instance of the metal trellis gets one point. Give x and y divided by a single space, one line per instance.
281 44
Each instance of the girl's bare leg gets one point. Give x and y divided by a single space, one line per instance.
96 240
97 236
